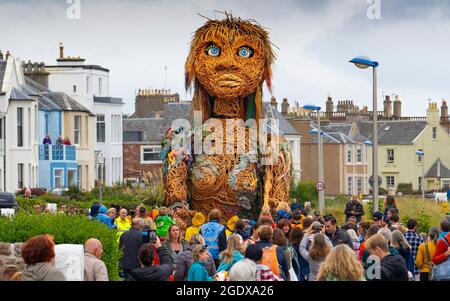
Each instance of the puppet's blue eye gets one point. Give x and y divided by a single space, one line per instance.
213 50
245 52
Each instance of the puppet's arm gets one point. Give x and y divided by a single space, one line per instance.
277 178
175 168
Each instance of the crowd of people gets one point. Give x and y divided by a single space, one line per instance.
287 244
60 141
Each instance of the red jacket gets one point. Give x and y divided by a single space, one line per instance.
441 247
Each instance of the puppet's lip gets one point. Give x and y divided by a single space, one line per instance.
229 80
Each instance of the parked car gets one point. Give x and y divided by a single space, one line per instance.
8 201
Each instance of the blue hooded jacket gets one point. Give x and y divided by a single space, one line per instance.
103 218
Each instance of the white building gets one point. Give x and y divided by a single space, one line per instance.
89 85
18 128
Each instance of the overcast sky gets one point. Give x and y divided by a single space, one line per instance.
316 38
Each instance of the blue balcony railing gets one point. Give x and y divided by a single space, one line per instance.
57 152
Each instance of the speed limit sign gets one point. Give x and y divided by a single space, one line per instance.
320 186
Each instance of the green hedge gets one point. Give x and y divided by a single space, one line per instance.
66 230
305 192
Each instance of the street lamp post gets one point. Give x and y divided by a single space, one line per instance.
320 159
363 63
421 154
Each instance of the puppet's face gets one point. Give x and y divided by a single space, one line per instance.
229 68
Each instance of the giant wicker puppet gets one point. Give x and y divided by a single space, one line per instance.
228 62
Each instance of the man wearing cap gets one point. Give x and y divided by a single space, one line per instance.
263 272
354 208
377 218
317 217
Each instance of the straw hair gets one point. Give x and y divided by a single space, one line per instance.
342 264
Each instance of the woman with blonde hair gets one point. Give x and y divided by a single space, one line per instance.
232 254
318 251
403 248
341 265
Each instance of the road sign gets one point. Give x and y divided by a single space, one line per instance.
320 186
371 181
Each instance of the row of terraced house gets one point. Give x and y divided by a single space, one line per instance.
69 100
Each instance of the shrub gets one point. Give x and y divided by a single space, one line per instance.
66 230
306 192
405 188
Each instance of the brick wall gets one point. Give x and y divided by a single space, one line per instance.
132 161
10 254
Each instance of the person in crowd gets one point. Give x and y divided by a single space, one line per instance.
232 254
132 213
425 254
122 223
63 209
130 242
148 221
103 217
392 267
351 224
303 266
445 226
148 271
414 240
297 219
307 222
163 222
266 218
111 213
37 209
67 141
255 252
230 225
341 265
389 213
254 234
283 211
355 241
94 267
47 140
244 270
295 205
362 228
394 222
175 244
94 210
72 210
354 208
27 193
185 260
197 221
243 230
214 234
60 140
197 271
285 226
442 252
317 218
377 218
337 236
279 239
318 251
389 203
38 254
273 255
363 253
404 249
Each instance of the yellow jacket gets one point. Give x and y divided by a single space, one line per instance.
197 221
122 226
422 260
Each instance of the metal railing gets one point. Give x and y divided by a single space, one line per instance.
57 152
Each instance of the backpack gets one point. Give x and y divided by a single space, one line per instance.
441 272
270 259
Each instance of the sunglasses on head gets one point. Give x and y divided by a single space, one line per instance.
204 248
